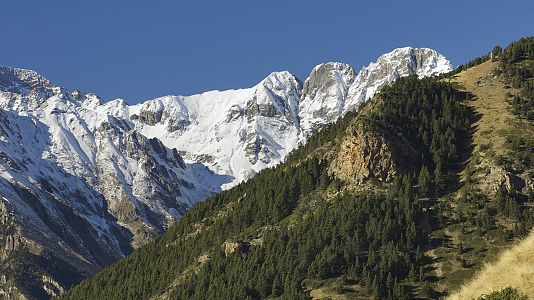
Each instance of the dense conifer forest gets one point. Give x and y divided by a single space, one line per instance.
517 67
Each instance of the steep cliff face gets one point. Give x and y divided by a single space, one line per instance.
371 153
364 155
10 241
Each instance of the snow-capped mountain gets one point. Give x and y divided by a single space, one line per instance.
235 132
323 96
79 186
334 88
83 182
400 62
240 132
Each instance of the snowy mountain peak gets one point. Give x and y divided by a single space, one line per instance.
26 90
391 66
323 95
89 100
21 80
332 65
420 61
332 89
279 79
277 94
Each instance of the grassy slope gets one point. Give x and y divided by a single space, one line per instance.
490 105
449 266
515 267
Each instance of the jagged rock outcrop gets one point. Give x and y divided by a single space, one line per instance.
371 153
496 177
231 247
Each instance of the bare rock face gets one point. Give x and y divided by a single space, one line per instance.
51 286
496 177
177 125
370 154
234 113
363 155
231 247
258 149
10 239
150 118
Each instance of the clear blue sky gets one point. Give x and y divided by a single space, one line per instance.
139 50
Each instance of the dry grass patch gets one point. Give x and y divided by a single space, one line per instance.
490 104
514 268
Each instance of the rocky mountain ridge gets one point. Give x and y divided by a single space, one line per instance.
241 132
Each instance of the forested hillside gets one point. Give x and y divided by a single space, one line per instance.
293 226
405 198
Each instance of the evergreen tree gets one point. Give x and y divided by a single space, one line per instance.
439 180
496 53
424 182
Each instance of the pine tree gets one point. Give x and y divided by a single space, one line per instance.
411 273
421 274
496 53
277 288
439 180
424 182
